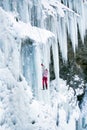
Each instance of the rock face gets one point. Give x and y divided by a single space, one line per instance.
76 65
81 56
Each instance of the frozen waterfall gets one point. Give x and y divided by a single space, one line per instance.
30 30
62 19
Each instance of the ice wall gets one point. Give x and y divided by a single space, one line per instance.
22 51
53 16
9 45
61 17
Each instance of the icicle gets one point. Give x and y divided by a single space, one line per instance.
77 6
65 2
62 37
85 14
73 30
70 2
56 61
81 20
36 13
76 31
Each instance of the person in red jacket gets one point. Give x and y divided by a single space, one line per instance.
44 77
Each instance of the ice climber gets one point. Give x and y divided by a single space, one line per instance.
44 77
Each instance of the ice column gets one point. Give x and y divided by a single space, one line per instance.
38 74
36 13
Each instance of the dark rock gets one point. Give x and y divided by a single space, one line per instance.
52 74
33 122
